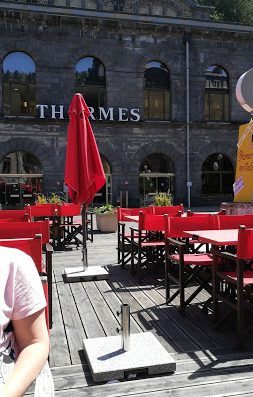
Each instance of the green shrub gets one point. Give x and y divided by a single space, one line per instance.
163 199
106 209
52 198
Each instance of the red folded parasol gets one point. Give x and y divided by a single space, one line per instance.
84 173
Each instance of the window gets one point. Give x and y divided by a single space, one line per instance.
20 179
19 88
91 82
156 176
217 175
105 193
156 91
216 94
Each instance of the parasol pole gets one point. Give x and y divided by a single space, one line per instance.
84 234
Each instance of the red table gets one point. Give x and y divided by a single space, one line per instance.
215 237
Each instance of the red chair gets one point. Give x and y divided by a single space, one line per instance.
147 250
235 288
14 215
33 247
10 230
124 237
43 211
69 231
170 210
234 221
183 267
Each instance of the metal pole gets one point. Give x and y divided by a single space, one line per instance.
187 38
84 235
125 322
125 326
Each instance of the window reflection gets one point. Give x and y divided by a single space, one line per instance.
217 175
20 179
91 82
216 94
20 162
19 88
156 91
157 175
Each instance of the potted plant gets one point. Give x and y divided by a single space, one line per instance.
106 218
163 199
52 198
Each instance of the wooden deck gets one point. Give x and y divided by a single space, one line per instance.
208 364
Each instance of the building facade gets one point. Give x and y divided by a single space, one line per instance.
159 78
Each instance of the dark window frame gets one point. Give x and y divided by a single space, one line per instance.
152 88
93 87
215 169
224 93
25 83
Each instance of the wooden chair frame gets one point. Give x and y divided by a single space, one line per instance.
234 287
149 246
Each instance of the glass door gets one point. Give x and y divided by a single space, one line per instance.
154 183
104 195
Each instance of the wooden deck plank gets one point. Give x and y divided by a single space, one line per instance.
206 383
72 323
207 361
158 321
191 369
89 318
108 319
115 303
196 315
191 329
59 351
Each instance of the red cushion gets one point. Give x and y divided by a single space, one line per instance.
195 259
153 244
247 277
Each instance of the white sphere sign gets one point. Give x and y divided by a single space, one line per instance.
244 91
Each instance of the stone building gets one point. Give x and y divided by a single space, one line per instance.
159 78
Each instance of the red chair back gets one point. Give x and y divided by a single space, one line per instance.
31 246
15 230
151 222
43 210
69 210
170 210
234 221
190 213
123 213
14 215
245 243
175 227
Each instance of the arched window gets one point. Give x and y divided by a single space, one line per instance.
156 91
216 94
19 84
217 175
156 176
91 82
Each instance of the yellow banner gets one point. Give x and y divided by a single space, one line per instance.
243 186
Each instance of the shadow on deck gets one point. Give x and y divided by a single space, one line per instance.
207 361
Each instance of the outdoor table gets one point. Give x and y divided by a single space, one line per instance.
218 238
132 218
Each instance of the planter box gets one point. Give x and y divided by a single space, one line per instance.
107 223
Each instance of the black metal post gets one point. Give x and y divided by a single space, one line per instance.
84 235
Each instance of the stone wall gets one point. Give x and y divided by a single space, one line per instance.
56 43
